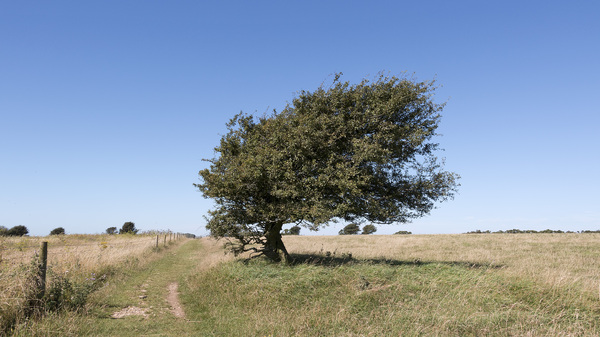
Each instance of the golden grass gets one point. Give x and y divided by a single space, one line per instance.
75 256
85 252
212 254
571 260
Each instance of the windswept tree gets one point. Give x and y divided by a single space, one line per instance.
128 228
17 231
111 230
361 152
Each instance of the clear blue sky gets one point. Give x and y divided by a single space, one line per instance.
108 107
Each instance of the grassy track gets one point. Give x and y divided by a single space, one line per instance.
145 290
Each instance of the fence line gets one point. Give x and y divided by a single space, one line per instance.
19 252
42 255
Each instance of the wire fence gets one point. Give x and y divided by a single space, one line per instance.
21 250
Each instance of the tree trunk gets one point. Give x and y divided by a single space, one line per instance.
274 247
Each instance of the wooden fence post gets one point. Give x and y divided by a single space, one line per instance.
43 263
156 240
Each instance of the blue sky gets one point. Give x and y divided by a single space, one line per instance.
107 108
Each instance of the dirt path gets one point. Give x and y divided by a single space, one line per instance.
147 302
173 300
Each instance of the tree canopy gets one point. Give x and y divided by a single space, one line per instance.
343 152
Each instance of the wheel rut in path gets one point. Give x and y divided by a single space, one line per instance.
148 302
173 300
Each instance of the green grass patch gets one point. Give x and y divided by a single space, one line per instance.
381 299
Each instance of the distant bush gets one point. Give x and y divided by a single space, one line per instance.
111 230
403 232
350 229
57 231
128 228
3 231
369 229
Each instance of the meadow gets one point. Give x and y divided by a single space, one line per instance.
408 285
354 285
556 260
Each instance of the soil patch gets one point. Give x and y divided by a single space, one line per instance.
173 300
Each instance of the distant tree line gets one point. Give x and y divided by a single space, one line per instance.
127 228
528 231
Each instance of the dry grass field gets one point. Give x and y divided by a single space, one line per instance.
409 285
86 252
558 260
80 260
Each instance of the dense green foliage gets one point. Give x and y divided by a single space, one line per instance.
350 152
349 229
128 228
57 231
111 230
